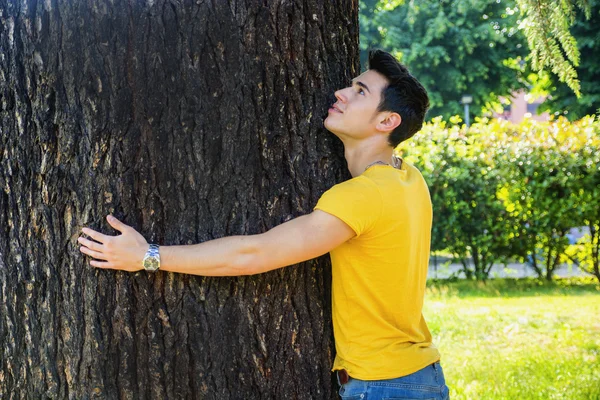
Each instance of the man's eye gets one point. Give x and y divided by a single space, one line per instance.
361 91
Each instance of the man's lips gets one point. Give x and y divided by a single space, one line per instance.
334 108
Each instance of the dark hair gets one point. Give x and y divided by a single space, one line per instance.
404 95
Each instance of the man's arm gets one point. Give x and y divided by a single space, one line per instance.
298 240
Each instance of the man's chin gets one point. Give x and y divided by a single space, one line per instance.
329 127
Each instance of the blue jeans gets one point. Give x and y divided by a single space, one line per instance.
425 384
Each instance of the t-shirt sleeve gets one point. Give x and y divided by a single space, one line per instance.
357 202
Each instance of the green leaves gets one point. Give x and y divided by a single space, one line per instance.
453 47
563 100
479 47
546 26
502 192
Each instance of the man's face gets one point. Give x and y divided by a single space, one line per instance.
355 115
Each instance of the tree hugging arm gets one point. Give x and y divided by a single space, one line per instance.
298 240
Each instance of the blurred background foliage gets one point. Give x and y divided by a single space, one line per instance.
506 192
490 48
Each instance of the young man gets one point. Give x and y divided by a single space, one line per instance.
377 227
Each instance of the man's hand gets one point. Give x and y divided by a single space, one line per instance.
125 252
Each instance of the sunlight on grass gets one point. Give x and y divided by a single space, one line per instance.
497 344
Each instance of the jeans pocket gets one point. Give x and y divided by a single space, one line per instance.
404 392
353 397
407 398
351 392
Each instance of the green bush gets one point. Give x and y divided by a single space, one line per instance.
502 191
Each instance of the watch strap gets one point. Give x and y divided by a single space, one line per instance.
152 258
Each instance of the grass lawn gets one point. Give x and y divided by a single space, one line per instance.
517 339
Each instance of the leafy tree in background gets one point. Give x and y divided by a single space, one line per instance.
563 99
476 46
454 47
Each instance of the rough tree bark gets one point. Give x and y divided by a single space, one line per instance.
190 120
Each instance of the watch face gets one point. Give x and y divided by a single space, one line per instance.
151 264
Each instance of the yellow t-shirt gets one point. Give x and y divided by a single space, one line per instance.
379 275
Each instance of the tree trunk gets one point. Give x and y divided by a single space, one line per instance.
190 120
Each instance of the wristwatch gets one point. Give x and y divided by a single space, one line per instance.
152 259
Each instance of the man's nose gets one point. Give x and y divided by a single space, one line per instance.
340 96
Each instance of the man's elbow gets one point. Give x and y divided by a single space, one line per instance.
255 264
246 264
256 258
251 258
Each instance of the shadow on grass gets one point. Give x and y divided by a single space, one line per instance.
511 287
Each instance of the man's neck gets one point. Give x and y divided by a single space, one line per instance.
359 158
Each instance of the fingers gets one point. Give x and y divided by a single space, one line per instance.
112 265
97 236
115 223
91 244
101 264
92 249
95 254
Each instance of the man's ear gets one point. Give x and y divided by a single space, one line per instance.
390 122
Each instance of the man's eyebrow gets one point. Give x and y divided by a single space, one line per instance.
362 85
